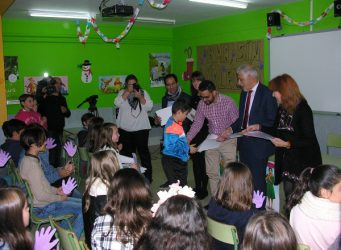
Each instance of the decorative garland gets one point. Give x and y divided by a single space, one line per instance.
301 24
92 22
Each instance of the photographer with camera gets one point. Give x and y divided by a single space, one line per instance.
55 108
133 122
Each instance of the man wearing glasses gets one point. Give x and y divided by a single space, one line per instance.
173 93
221 112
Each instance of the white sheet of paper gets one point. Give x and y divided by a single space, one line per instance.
134 157
235 135
125 160
209 143
259 134
164 114
191 115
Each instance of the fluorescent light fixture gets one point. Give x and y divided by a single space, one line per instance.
228 3
60 14
155 20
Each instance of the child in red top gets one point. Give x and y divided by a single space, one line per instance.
28 113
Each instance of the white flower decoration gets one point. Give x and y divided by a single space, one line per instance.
174 189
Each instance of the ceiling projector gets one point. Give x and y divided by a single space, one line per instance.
118 10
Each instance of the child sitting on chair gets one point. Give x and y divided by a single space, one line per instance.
15 218
232 203
48 200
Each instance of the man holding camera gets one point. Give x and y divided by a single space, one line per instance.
55 109
133 122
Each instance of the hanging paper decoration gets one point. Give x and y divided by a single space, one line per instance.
159 5
189 61
303 24
92 22
116 40
86 72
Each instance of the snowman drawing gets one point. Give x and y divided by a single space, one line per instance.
86 72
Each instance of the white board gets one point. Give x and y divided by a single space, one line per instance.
314 61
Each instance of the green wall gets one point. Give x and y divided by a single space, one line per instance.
53 46
247 26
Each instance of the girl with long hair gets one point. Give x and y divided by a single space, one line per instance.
315 207
232 203
269 231
15 218
126 214
179 224
104 165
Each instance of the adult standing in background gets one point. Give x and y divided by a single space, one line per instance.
198 158
257 106
133 122
221 112
54 107
173 93
295 140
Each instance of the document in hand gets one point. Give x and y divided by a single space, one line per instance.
209 143
164 114
259 134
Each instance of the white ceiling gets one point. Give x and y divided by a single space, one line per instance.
183 11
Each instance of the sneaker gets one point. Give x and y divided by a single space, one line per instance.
165 185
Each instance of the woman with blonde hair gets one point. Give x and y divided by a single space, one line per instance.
295 139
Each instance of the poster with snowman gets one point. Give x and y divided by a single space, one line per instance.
86 72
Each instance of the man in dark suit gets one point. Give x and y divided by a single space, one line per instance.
257 106
173 93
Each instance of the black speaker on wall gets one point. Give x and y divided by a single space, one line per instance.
337 8
273 19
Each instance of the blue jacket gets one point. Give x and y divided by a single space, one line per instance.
175 141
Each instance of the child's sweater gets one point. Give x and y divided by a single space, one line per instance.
175 141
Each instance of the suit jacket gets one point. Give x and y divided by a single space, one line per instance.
187 123
304 151
263 112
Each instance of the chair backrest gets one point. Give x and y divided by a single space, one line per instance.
333 140
223 232
67 239
303 247
84 154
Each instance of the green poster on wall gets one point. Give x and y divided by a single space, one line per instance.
12 78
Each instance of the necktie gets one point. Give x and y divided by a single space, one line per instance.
246 111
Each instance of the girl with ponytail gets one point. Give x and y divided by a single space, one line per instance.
315 207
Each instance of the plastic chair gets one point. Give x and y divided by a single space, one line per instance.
14 173
333 140
38 221
303 247
84 156
223 232
67 239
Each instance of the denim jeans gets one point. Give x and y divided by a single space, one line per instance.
70 206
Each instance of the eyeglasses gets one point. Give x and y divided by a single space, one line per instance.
205 97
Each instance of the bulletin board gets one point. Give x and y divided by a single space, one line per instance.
219 62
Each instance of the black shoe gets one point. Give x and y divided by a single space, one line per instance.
202 195
165 185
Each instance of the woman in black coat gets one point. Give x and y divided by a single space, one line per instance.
295 140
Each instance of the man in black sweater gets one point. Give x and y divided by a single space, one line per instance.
55 108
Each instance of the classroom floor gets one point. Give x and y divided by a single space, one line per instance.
159 177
